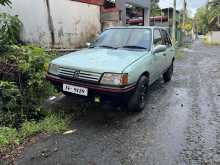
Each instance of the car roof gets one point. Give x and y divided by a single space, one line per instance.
137 27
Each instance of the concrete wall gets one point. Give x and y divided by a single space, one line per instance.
74 22
214 37
33 15
56 23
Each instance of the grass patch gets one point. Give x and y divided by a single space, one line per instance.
51 124
8 136
188 45
179 54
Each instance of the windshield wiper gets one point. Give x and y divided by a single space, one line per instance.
106 46
134 47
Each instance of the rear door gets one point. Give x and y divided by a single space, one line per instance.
170 51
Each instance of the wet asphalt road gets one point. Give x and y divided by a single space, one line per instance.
180 125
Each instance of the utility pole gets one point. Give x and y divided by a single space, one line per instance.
184 17
184 21
174 22
184 14
207 16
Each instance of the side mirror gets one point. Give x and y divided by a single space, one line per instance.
159 48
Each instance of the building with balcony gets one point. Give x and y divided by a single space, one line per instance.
125 12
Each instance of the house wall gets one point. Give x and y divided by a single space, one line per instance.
74 23
33 15
56 23
214 37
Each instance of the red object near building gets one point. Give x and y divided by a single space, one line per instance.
159 18
109 10
94 2
135 21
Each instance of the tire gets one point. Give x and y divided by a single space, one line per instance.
167 76
137 101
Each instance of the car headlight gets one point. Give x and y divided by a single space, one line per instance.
114 79
53 69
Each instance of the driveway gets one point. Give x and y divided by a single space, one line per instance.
180 125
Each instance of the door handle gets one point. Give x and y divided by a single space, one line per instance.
164 54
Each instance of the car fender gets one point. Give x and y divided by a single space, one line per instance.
139 68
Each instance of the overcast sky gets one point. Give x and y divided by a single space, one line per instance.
193 5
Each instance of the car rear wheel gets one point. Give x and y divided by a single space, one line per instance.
167 76
137 102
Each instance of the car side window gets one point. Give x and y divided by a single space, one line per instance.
166 38
157 37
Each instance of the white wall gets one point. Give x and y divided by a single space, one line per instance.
74 22
33 15
214 37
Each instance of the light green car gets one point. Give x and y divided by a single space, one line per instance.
118 67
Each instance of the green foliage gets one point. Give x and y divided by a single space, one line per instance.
214 9
201 20
213 15
10 27
155 9
10 99
187 26
21 98
51 124
32 88
205 16
8 136
5 2
179 54
10 94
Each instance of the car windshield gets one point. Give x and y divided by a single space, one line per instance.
125 38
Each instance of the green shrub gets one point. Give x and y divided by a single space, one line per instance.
8 136
5 2
10 27
32 85
10 99
29 128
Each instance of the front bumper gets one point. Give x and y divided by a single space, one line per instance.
105 93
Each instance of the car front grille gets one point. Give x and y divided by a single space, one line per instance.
78 74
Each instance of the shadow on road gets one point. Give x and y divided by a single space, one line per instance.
99 114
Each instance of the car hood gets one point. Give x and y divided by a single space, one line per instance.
99 60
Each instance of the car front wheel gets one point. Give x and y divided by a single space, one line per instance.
137 101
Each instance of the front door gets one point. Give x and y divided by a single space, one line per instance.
159 58
170 52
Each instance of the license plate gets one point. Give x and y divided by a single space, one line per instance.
75 89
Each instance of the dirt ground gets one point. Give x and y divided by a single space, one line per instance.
180 125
